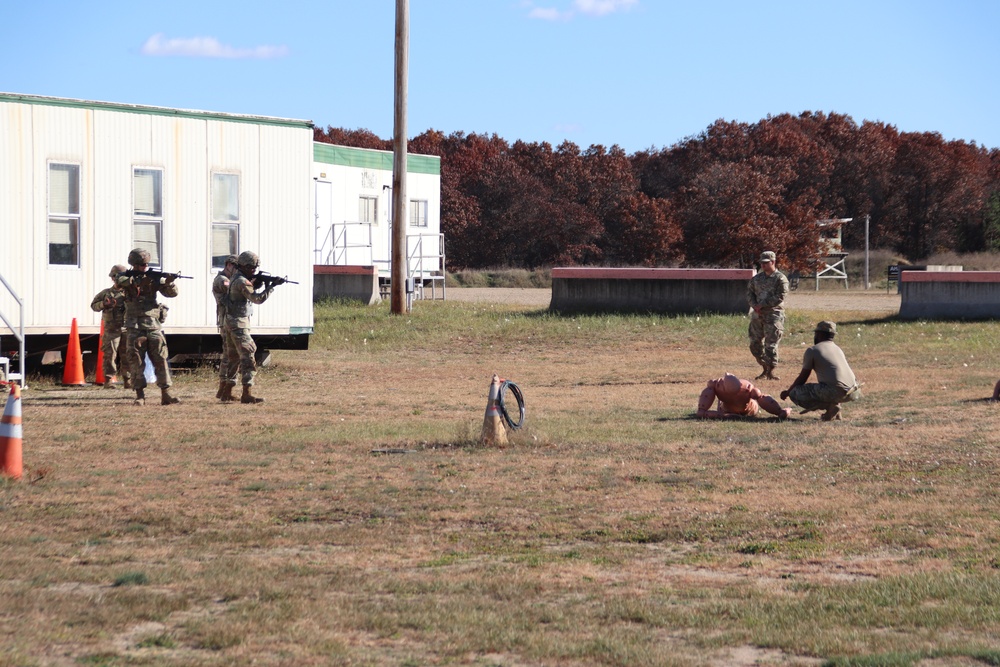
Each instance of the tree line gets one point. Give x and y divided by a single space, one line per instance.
715 199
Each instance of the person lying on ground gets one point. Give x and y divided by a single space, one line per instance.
737 398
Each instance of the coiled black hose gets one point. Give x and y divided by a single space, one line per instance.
516 391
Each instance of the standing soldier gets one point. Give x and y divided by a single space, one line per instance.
766 294
220 290
143 316
110 303
241 346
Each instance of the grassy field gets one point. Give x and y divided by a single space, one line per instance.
614 529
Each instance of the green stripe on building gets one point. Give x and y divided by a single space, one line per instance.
154 111
366 158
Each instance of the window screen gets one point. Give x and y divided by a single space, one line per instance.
64 214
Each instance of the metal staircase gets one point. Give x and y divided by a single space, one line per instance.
18 332
425 269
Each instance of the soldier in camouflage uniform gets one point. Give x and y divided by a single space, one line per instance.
143 316
242 293
110 303
766 293
220 290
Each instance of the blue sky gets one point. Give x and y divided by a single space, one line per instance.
636 73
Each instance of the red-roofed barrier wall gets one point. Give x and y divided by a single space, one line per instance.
650 290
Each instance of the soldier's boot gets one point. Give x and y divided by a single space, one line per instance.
140 397
166 398
832 414
222 388
111 382
128 382
227 394
247 397
763 373
769 373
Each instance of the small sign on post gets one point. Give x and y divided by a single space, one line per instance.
892 275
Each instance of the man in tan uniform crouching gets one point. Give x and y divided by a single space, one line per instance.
837 383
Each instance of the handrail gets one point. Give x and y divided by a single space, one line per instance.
319 251
339 245
18 332
429 267
415 264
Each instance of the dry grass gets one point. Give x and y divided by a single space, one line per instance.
613 530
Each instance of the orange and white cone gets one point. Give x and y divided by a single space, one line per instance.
493 432
10 435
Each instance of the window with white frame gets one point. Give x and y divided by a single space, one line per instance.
368 209
418 213
147 212
225 217
64 214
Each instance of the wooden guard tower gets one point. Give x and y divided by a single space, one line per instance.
830 265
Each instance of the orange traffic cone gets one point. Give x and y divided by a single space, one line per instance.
10 435
99 374
493 432
73 368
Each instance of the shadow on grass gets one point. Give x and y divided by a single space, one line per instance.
690 417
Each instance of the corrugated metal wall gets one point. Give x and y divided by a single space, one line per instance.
16 190
273 159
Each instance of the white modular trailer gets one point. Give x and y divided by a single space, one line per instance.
83 182
353 205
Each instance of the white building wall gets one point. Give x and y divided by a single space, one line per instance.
60 293
16 196
284 236
124 140
338 190
272 157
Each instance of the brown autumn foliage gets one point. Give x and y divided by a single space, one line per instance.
715 199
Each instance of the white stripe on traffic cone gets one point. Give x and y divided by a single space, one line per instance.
10 435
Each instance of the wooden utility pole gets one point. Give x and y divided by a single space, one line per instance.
400 217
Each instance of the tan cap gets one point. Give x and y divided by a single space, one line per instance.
827 327
767 256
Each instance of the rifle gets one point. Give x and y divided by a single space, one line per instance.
269 281
153 275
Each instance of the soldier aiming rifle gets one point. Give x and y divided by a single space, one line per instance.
244 291
143 319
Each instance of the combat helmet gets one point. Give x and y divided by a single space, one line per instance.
116 269
248 259
138 256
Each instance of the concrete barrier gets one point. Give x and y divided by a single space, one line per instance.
650 290
358 283
949 295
